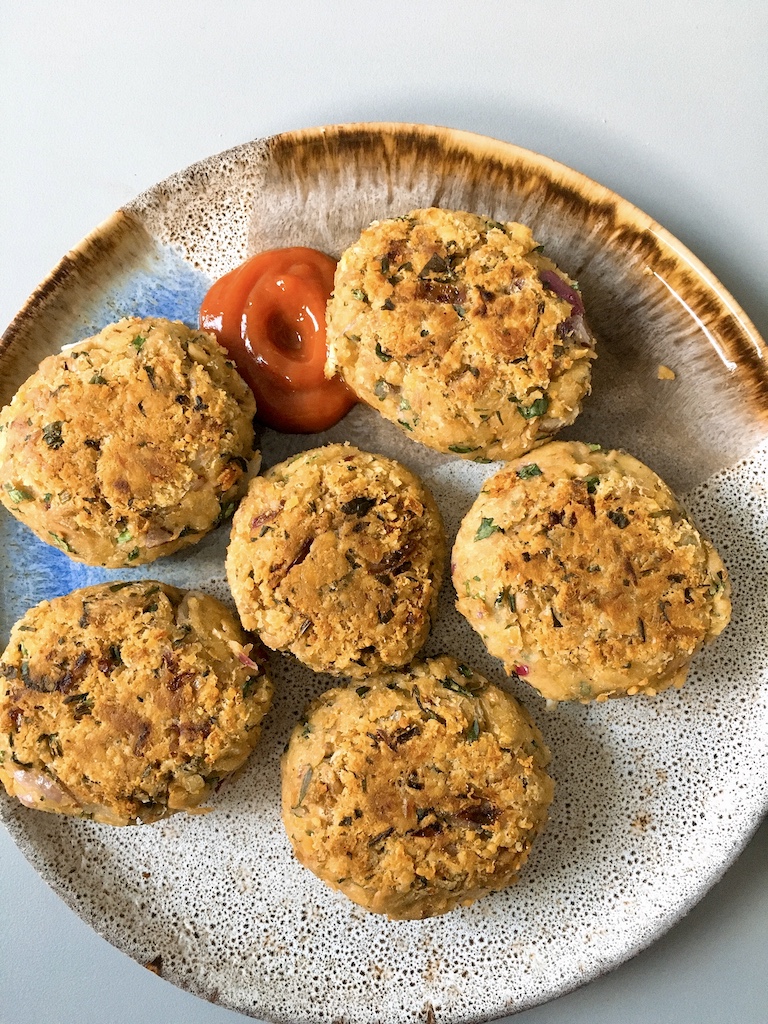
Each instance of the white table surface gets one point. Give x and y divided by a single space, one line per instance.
664 101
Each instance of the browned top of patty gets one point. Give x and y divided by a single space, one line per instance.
129 444
127 701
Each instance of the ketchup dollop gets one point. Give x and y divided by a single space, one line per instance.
269 313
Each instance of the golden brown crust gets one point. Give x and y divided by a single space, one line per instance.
417 792
337 556
125 702
447 323
129 445
582 572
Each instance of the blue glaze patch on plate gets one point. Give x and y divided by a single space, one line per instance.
162 285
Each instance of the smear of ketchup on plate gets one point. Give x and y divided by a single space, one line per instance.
269 313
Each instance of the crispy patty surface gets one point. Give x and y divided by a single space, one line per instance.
125 702
337 556
580 569
417 792
128 445
461 330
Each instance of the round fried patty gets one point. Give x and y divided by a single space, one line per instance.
125 702
417 792
580 570
337 556
459 329
129 445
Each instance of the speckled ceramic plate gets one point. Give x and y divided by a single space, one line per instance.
654 797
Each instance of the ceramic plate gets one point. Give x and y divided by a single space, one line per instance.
655 797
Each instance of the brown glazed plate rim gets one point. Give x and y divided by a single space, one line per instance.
741 343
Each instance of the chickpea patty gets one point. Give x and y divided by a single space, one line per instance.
126 702
337 556
418 792
459 329
583 573
129 445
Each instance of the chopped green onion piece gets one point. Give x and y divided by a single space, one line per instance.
18 494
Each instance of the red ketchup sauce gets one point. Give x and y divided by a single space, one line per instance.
269 313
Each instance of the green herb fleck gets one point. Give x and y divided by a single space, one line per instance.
451 684
54 744
460 311
528 471
138 342
83 704
358 506
381 389
595 447
405 425
304 787
18 494
381 836
463 449
150 372
508 596
359 294
466 671
384 265
61 542
619 519
585 689
362 690
592 482
52 435
249 686
473 732
426 710
537 408
133 555
120 586
486 528
435 265
225 512
383 355
97 379
124 537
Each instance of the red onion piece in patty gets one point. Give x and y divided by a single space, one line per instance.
562 289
